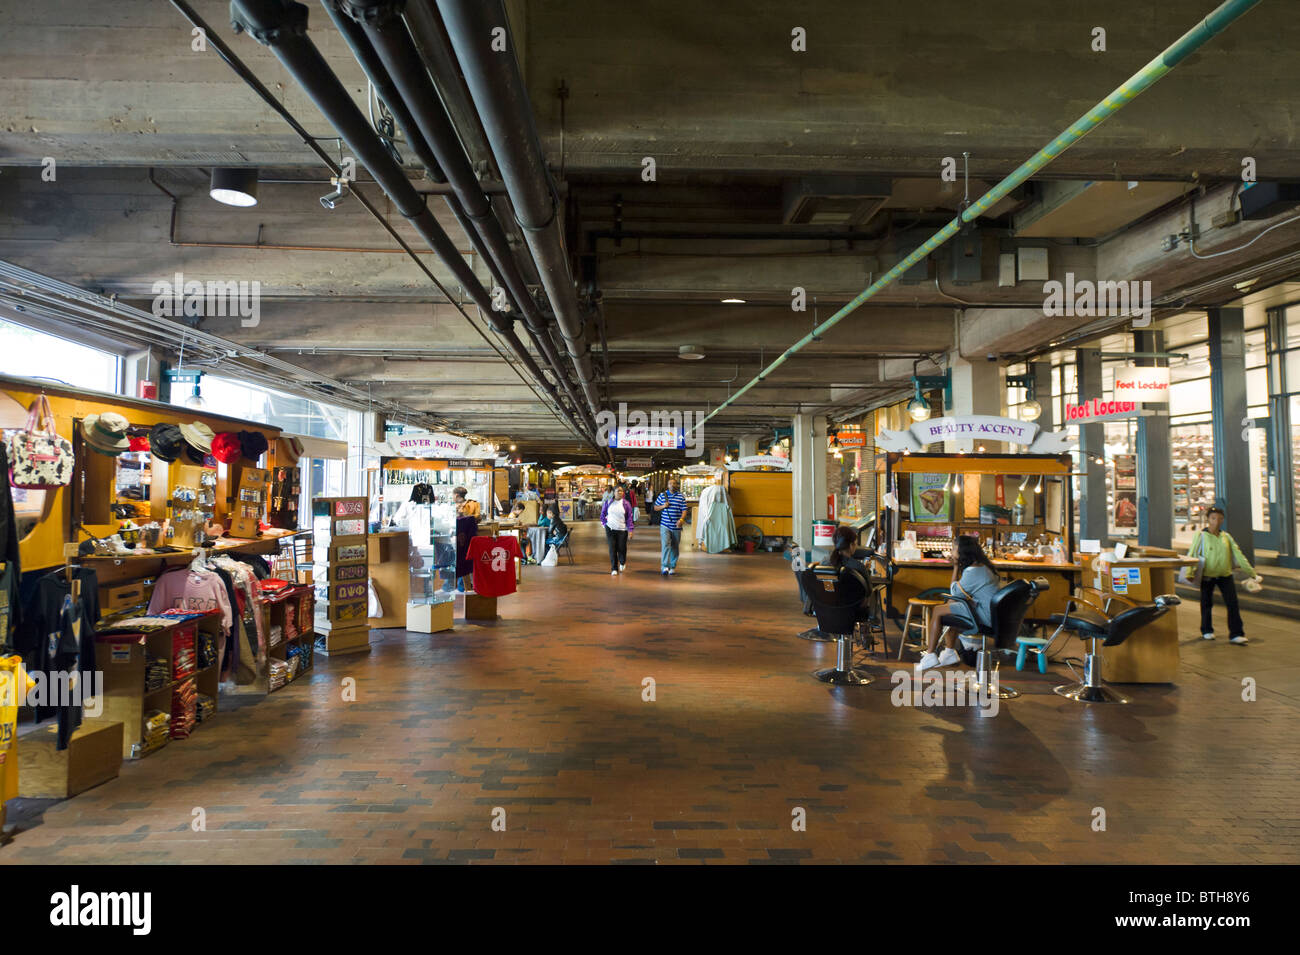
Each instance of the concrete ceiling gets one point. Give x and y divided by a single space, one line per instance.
734 119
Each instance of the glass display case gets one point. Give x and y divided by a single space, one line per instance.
431 529
407 484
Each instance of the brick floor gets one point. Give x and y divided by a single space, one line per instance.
538 720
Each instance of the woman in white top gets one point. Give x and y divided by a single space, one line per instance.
618 518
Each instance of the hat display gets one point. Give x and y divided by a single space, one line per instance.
139 442
226 447
288 451
106 433
194 455
254 444
166 443
199 435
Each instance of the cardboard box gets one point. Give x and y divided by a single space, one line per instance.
472 606
93 756
350 640
429 618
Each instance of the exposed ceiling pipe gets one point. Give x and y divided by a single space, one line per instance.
282 26
497 89
385 39
1218 20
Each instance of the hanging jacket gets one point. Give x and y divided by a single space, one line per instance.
11 576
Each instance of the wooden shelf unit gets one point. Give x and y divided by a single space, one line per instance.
123 657
301 600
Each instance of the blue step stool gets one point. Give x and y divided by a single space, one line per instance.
1024 643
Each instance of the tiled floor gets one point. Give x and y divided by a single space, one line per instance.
540 719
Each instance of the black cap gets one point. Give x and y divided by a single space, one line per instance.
165 442
253 443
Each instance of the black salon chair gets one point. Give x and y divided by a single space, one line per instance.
1088 623
1009 607
837 597
815 634
882 570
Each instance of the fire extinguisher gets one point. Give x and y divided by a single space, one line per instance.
830 506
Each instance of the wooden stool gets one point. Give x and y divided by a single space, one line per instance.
926 607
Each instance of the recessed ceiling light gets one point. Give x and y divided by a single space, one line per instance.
733 301
690 352
235 186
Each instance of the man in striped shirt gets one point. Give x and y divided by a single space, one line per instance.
671 506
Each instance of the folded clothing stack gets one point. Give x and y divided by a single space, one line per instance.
277 635
300 653
290 621
184 702
278 674
204 708
184 658
155 674
154 736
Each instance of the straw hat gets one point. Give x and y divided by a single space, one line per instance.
199 435
106 433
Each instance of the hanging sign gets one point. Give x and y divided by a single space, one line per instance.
977 427
639 463
1096 409
648 439
753 462
431 445
1144 385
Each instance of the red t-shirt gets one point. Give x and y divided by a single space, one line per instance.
494 564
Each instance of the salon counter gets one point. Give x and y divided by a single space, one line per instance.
915 576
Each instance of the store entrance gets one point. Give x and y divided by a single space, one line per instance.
1265 469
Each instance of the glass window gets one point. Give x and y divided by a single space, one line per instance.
1192 456
1189 397
1184 330
290 413
29 353
1293 326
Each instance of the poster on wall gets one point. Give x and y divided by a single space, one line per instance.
1126 512
931 500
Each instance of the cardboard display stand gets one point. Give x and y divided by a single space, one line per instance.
339 540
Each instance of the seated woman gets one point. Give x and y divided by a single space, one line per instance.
847 555
517 512
556 531
975 578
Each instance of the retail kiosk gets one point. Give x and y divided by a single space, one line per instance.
760 489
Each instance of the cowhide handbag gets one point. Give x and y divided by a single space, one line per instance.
39 459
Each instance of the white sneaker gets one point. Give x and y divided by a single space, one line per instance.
663 571
927 662
948 657
1207 636
672 572
613 573
622 567
1240 639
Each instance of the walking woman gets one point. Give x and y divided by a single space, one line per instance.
618 518
1220 552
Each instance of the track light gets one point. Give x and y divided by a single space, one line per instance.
1038 488
340 184
234 185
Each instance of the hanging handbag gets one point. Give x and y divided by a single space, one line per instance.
39 459
1191 576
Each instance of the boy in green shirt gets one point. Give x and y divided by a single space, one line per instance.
1220 552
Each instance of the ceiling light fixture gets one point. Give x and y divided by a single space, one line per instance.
234 185
690 353
195 400
733 301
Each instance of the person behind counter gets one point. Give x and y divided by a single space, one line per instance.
973 577
464 506
1220 551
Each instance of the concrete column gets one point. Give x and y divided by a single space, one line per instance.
1042 372
808 484
1154 463
1093 513
976 389
748 444
1228 410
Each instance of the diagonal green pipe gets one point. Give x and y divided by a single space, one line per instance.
1184 46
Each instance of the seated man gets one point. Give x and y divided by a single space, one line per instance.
975 578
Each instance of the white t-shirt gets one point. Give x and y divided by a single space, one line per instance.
616 516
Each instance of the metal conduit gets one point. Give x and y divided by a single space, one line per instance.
497 89
1218 20
388 56
281 25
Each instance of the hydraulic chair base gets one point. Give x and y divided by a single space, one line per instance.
1091 690
843 673
817 636
982 677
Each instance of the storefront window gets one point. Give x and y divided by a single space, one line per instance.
287 412
28 353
